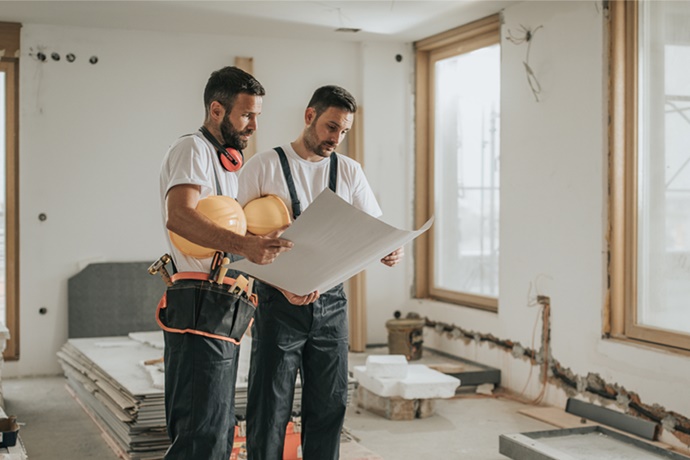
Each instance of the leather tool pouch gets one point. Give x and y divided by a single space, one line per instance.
204 308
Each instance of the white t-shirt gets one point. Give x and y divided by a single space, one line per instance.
193 160
263 175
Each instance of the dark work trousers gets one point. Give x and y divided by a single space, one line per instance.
200 376
314 339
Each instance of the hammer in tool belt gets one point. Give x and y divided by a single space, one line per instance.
159 267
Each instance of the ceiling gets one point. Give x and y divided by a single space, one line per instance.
386 20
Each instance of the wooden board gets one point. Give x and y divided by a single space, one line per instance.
556 417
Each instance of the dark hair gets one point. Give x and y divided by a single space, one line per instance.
332 96
225 84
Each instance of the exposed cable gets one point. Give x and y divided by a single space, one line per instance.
526 36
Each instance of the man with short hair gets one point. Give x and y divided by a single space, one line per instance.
309 333
200 355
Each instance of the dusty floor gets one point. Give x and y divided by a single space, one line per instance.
466 427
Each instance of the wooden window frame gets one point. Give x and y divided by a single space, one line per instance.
9 64
621 312
475 35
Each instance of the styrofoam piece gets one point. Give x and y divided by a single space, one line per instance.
425 383
387 366
421 382
377 385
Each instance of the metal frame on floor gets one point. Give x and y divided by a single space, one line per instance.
527 446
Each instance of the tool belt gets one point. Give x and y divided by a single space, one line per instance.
194 305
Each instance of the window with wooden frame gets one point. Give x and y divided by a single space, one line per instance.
650 172
457 164
9 186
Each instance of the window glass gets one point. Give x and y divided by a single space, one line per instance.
663 205
466 171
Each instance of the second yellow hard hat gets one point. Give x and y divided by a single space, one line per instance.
266 214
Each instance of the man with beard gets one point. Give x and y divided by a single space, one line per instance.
200 364
309 333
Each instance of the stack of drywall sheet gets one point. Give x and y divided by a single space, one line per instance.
108 377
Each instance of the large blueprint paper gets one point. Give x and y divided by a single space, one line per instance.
332 242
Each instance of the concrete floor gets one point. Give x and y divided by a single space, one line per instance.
56 427
466 427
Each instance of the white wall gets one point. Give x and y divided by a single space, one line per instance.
389 163
554 216
92 138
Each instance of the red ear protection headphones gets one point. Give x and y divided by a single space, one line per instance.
230 158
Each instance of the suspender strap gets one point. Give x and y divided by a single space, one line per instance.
332 179
333 174
296 207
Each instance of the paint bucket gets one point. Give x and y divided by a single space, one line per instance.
406 336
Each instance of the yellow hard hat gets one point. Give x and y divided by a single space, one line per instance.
266 214
222 210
